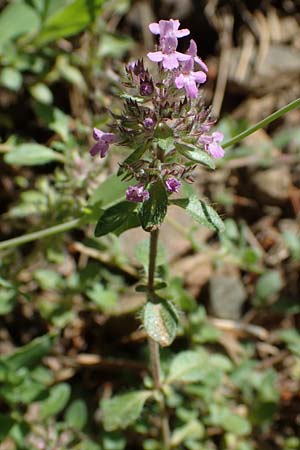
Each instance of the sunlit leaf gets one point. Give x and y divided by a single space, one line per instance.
160 320
201 212
195 154
31 155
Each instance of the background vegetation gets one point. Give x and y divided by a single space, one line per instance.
69 335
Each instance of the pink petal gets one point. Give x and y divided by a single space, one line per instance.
217 136
191 88
154 28
183 57
201 63
192 50
199 76
216 150
205 139
109 138
168 44
182 33
103 149
97 134
170 62
155 56
179 81
167 28
175 24
95 149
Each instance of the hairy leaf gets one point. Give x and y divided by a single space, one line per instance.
123 410
114 217
195 154
188 367
153 211
201 212
160 321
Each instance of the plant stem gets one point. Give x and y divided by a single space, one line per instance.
62 227
154 346
263 123
152 259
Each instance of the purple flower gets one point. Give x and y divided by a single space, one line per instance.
148 123
189 79
192 51
172 184
211 144
168 28
137 193
103 140
168 55
146 87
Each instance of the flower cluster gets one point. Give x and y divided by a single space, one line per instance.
163 120
172 59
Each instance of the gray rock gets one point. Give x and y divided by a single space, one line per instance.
227 296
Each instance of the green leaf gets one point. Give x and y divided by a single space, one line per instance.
123 410
6 423
29 354
188 367
201 212
11 78
42 93
69 20
132 221
7 300
191 430
194 154
164 137
69 72
292 338
16 19
292 241
160 321
105 299
222 416
114 217
110 192
268 284
76 415
58 398
25 392
48 279
133 157
114 45
31 155
153 211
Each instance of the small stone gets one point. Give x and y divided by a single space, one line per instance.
273 185
227 295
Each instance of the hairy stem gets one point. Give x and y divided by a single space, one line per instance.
61 228
263 123
154 346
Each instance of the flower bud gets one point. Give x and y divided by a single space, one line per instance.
146 87
149 123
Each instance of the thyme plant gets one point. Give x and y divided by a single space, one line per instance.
168 130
